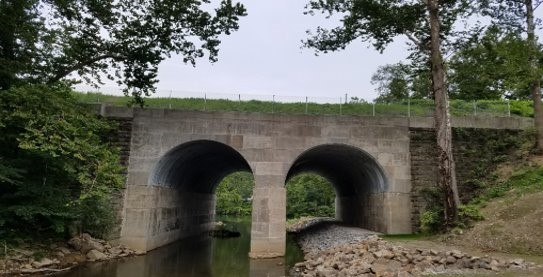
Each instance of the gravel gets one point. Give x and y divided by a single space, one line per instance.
329 235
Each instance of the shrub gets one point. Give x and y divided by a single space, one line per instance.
431 221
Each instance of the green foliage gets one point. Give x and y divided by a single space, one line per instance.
46 41
398 82
500 60
469 213
431 221
57 170
378 22
522 108
234 194
310 195
525 179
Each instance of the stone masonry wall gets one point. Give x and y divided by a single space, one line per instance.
476 153
121 139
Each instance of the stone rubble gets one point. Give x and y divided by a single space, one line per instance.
61 257
368 255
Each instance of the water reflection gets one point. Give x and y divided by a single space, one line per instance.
200 256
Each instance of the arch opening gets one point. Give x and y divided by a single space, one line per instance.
357 177
184 182
197 166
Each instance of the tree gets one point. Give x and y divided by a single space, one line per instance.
446 166
57 169
309 194
518 16
47 41
234 193
425 23
499 57
393 82
400 81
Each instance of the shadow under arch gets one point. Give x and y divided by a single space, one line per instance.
357 177
197 166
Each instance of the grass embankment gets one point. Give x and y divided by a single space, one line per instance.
415 107
511 211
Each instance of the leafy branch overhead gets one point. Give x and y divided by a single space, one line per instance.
379 22
47 41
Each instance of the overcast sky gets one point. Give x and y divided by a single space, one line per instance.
264 57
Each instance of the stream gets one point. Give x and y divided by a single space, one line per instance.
199 256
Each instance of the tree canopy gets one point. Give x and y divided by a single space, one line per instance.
58 171
309 194
43 41
396 82
500 60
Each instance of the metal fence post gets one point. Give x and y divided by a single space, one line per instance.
340 106
373 108
239 102
306 104
205 102
170 100
508 108
475 107
273 103
408 107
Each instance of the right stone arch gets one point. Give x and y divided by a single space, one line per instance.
358 179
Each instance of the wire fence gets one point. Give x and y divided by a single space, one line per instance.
316 105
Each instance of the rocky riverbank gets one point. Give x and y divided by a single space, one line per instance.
338 251
60 256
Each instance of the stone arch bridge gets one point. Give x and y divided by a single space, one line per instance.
177 158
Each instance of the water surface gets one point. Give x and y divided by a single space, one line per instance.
199 256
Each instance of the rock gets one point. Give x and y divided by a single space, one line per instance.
43 263
75 243
86 236
382 265
96 245
338 252
115 251
95 255
450 260
517 261
64 250
326 273
59 254
494 265
457 254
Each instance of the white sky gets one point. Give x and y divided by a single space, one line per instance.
264 57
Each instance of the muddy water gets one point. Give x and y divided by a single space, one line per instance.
200 256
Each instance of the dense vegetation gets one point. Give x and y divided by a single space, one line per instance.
57 169
307 195
234 194
310 195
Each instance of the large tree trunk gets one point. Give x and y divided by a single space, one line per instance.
447 172
535 85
